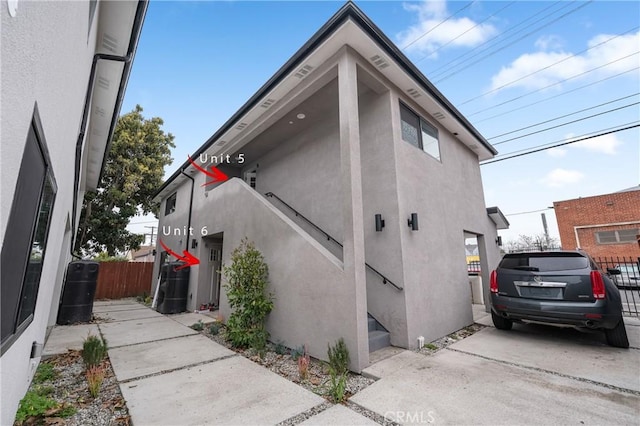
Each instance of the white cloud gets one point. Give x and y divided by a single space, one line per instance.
606 144
562 177
432 31
549 52
557 152
549 42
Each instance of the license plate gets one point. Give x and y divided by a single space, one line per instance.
542 292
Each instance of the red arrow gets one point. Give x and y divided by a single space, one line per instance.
189 259
217 175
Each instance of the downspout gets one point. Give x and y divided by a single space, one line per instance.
135 34
190 207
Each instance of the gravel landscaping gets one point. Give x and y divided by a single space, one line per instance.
441 343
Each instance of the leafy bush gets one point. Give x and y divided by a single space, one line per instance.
94 350
198 326
44 373
338 357
95 376
246 291
36 404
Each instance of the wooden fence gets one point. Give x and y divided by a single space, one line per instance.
123 279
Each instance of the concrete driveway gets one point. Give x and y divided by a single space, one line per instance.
530 375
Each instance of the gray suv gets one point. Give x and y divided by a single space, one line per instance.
560 287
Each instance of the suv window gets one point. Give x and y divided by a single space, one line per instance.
545 261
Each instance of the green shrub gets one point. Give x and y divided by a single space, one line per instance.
34 405
44 373
214 328
246 287
338 357
95 376
94 350
280 348
297 352
198 326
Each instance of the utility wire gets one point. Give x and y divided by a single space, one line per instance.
565 124
548 66
502 34
489 54
561 116
566 92
440 23
532 151
558 82
532 211
463 33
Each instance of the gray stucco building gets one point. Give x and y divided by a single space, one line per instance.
65 67
346 130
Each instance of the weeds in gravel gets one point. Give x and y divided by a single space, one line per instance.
44 373
35 406
95 376
94 350
337 386
431 346
198 326
338 357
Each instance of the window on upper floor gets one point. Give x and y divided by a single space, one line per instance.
170 204
25 240
617 237
418 132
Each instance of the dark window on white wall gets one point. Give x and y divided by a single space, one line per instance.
418 132
25 240
170 205
617 237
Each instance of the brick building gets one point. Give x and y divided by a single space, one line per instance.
603 225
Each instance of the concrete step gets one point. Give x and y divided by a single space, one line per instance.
378 339
372 324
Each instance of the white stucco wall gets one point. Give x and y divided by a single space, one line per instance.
46 59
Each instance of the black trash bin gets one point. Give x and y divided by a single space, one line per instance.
174 288
79 289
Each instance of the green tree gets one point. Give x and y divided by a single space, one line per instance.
134 169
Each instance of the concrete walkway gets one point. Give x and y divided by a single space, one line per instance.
170 374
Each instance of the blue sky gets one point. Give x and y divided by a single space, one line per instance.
504 65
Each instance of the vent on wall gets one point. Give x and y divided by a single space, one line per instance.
266 104
241 126
302 72
413 93
438 115
110 43
379 62
103 83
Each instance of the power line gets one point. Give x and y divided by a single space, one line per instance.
446 77
440 23
502 34
562 116
532 211
556 83
547 67
561 144
463 33
567 123
566 92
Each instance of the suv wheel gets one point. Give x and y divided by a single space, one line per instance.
502 323
617 336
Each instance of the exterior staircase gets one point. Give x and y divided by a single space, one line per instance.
378 337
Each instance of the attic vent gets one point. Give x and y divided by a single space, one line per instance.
100 111
414 93
302 72
266 104
222 143
110 43
379 62
241 126
103 83
438 115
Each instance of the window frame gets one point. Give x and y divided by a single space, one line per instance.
617 236
173 198
423 124
35 135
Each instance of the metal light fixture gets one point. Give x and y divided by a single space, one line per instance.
379 223
413 221
194 243
499 240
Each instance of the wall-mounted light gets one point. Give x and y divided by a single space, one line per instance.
413 221
499 240
379 223
36 350
194 243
